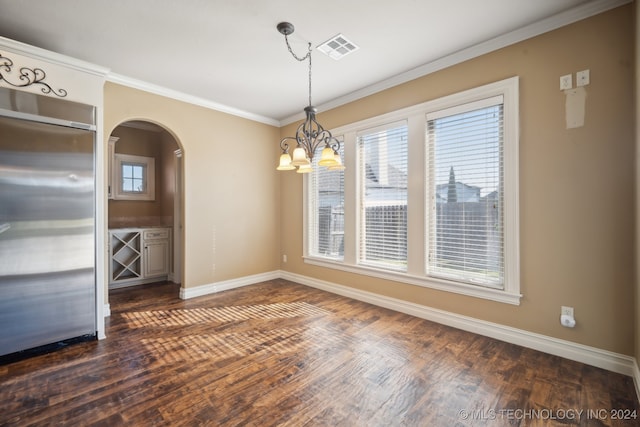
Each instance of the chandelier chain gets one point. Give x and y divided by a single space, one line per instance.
307 56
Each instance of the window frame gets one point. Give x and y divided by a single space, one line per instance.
417 191
148 163
430 200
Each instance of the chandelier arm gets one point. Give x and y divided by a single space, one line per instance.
284 145
303 134
310 134
336 143
326 138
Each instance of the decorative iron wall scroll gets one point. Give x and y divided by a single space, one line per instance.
26 77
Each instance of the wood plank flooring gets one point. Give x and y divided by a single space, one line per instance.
282 354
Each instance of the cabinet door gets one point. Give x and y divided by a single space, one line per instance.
156 258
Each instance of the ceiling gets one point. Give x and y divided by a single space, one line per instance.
230 55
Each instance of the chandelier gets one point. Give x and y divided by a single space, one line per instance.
310 134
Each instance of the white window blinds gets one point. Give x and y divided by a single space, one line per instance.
465 172
326 214
382 169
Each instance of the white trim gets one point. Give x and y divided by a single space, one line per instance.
462 107
636 378
611 361
100 231
604 359
52 57
149 164
195 100
570 16
212 288
507 90
137 282
497 295
111 161
106 310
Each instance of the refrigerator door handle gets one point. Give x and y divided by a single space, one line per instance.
4 227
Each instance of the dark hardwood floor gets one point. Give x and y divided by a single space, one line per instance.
279 353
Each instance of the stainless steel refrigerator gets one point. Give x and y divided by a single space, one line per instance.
47 232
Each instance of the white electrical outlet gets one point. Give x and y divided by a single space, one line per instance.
566 82
566 311
284 258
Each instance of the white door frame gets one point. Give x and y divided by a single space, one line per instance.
177 219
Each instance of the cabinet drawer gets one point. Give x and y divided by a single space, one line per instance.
156 234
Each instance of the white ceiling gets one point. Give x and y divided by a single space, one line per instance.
230 53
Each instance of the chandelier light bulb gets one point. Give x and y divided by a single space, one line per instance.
338 166
304 168
328 157
285 163
300 157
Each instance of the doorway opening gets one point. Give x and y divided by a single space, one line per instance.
144 206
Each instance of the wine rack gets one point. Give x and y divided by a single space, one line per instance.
126 255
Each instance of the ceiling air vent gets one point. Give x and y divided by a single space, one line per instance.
337 47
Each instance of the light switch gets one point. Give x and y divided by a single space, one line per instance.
582 78
566 82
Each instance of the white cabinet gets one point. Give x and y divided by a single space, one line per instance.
138 255
156 252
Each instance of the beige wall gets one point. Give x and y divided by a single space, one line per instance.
231 197
576 186
167 178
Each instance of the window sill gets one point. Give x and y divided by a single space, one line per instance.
426 282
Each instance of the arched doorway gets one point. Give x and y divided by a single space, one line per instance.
144 205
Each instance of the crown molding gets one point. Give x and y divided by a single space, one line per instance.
181 96
69 62
549 24
51 57
554 22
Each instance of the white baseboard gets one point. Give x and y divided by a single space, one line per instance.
137 282
604 359
593 356
636 377
211 288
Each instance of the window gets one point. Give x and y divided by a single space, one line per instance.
465 238
429 196
382 172
326 213
134 177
